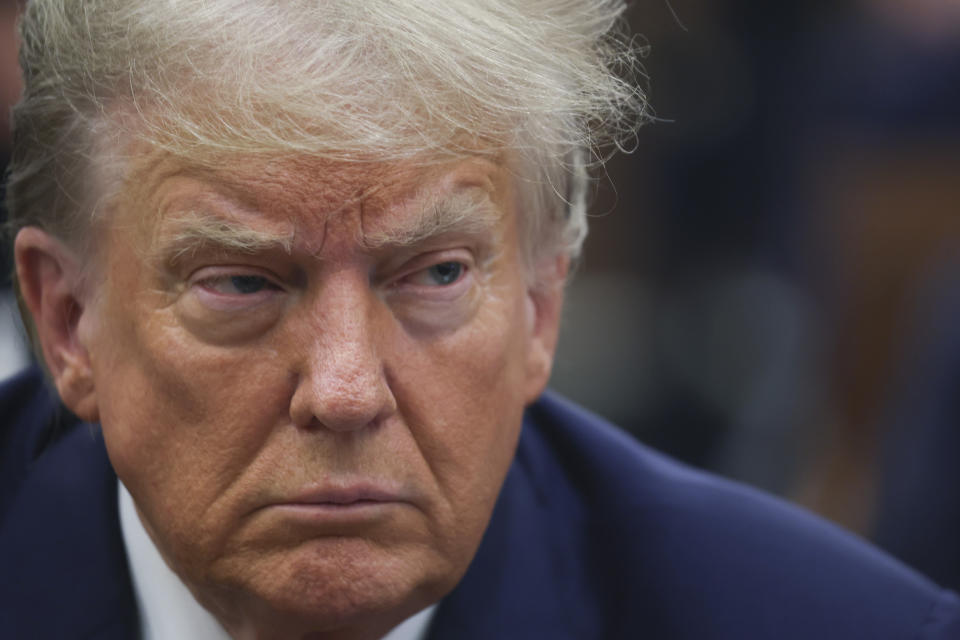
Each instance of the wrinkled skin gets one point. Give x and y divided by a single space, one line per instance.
239 387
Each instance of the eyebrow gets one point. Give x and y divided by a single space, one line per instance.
192 231
196 230
467 213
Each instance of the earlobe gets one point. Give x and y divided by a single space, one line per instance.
48 274
544 305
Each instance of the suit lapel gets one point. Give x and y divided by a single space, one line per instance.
522 582
64 570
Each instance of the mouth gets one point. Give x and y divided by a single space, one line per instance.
331 503
358 494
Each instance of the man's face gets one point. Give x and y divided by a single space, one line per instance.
311 377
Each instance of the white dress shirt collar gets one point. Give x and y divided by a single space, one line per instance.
168 611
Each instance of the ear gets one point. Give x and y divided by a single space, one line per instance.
544 304
48 273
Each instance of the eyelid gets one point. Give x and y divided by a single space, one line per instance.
212 284
224 316
432 258
225 272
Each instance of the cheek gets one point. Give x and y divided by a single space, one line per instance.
181 420
464 402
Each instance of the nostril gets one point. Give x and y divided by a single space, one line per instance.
341 402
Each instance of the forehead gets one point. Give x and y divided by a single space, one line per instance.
295 194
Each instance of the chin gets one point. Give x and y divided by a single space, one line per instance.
334 588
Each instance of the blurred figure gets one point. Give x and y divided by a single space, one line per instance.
878 154
704 348
764 296
918 505
10 86
13 351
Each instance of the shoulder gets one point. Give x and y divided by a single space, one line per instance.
58 522
29 413
705 557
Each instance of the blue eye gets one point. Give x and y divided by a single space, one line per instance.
248 284
445 273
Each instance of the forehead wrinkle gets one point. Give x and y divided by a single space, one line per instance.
355 203
471 214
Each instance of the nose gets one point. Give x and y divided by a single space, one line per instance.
341 380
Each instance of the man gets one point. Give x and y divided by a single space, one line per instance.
302 263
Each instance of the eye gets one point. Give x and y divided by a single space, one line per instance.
446 272
441 274
231 303
242 285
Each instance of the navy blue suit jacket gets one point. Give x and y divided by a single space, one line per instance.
594 536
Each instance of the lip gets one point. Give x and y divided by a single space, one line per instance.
348 500
348 495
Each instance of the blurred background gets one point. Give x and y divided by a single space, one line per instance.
13 351
771 289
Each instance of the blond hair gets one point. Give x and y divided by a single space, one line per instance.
547 80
